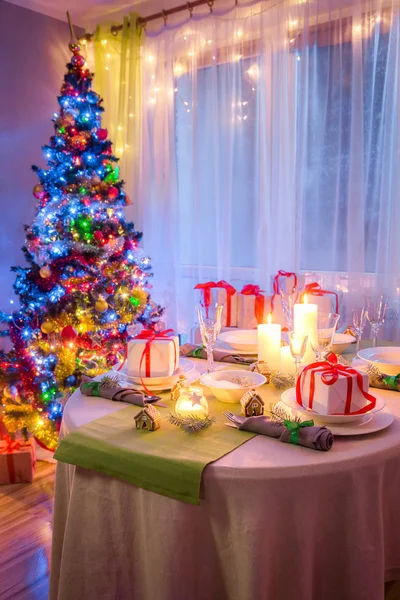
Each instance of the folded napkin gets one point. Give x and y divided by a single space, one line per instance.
194 351
292 432
109 388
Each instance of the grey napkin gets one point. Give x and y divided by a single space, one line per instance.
316 438
193 351
112 391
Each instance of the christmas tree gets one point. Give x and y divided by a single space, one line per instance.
86 279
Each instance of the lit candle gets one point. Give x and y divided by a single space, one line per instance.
269 344
287 361
305 322
192 403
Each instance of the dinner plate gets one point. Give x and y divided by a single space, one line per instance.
186 368
368 424
289 398
386 358
341 341
241 340
219 345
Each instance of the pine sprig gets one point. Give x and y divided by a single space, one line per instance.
190 424
279 414
375 373
282 381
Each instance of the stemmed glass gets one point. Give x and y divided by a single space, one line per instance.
359 320
288 301
376 313
326 327
210 326
298 345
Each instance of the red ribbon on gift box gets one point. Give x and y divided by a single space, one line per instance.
330 372
281 273
9 449
314 289
254 290
150 335
230 291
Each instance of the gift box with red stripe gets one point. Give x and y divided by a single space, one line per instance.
17 461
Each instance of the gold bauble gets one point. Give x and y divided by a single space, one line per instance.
48 326
45 272
101 305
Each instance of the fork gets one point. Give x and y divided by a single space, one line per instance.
232 418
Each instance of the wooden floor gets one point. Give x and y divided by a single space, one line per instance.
25 539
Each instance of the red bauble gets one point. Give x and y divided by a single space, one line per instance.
38 191
68 335
77 60
112 192
98 236
109 289
101 134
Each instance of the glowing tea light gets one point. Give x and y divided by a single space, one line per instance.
192 403
306 322
269 344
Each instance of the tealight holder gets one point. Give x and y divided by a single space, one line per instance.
192 403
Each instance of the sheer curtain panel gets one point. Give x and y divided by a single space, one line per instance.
270 139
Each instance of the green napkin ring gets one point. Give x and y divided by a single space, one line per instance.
294 426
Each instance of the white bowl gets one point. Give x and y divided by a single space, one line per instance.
341 341
386 358
221 384
240 339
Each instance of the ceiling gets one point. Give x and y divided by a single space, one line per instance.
86 13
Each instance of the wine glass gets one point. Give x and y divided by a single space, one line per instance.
376 313
298 345
288 301
210 325
359 320
326 327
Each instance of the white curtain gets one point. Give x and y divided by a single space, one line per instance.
271 140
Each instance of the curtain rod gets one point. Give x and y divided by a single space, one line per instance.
164 14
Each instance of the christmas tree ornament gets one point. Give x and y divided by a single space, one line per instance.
71 381
110 289
112 192
77 60
68 335
10 391
75 48
92 97
101 305
45 272
48 326
39 191
101 134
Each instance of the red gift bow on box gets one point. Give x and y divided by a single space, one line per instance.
281 273
315 290
9 448
254 290
230 291
150 335
330 372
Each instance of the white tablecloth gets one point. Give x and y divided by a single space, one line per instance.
275 522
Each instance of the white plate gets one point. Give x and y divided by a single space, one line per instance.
367 424
229 350
241 340
386 358
341 341
186 367
289 398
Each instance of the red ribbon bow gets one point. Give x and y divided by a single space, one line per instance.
149 335
230 291
281 273
330 372
315 290
254 290
10 446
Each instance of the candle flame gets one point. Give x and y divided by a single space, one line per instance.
269 319
305 299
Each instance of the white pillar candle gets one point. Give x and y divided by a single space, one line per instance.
269 344
305 322
287 361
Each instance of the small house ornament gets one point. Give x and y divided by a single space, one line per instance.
181 384
262 368
149 418
252 404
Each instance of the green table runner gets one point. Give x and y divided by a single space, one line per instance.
167 461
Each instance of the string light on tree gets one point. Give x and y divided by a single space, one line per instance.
85 281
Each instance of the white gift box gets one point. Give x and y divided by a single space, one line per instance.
331 399
277 311
327 302
162 360
246 315
219 295
287 284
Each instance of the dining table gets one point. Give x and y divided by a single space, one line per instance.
275 521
